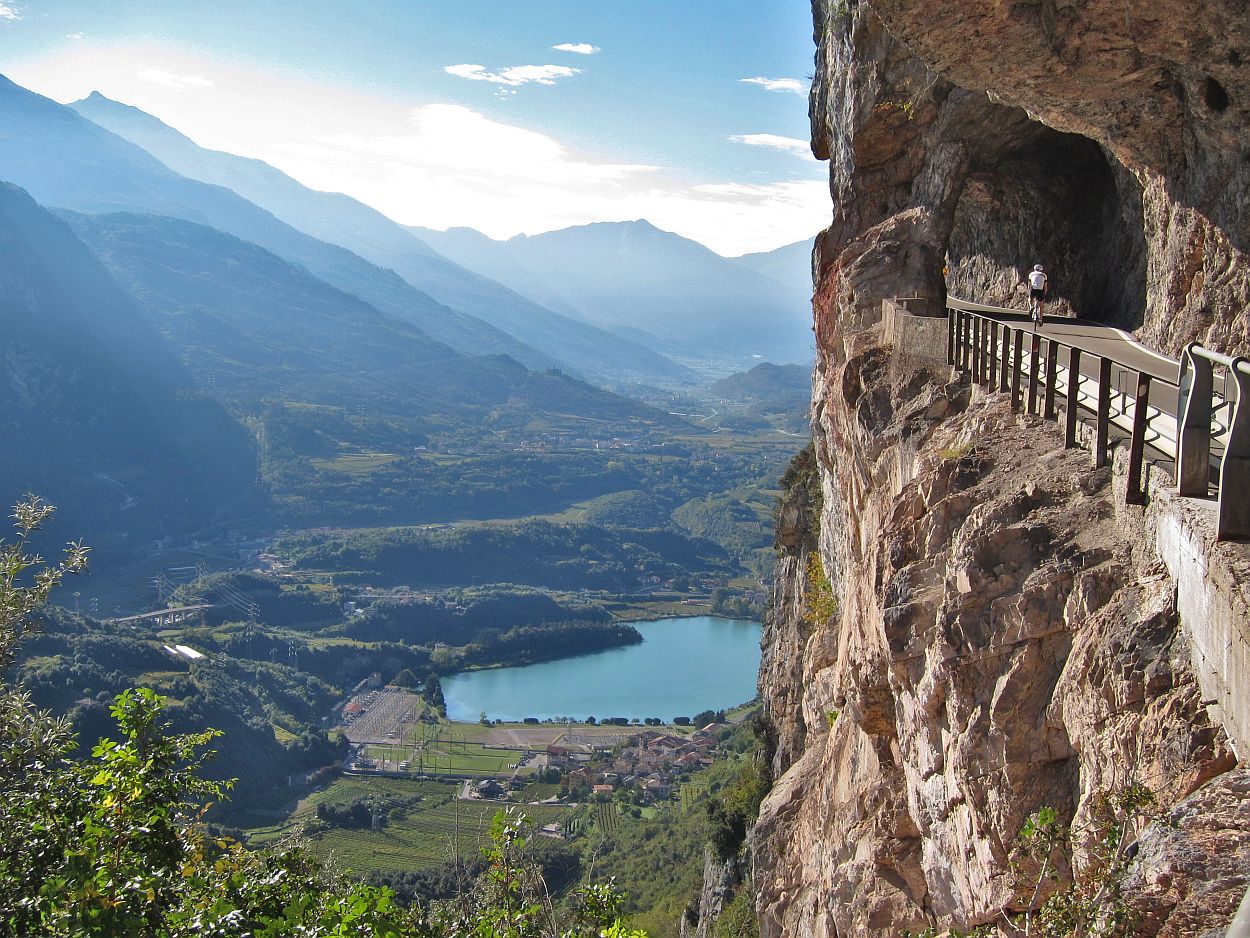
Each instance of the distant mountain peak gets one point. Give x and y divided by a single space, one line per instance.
96 99
97 104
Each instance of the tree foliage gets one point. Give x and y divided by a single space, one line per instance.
115 844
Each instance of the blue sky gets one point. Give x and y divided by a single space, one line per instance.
502 116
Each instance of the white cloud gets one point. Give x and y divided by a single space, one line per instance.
579 48
774 142
789 85
9 12
443 169
168 80
451 138
74 36
437 165
514 76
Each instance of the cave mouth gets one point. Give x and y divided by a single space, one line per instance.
1052 199
1215 96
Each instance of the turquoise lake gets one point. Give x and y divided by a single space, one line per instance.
681 667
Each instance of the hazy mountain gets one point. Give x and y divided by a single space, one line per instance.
96 414
253 326
641 281
257 329
790 266
777 396
341 220
502 261
767 383
66 161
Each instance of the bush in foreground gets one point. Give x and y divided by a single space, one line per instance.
115 844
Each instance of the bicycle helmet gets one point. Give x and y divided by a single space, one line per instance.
1037 266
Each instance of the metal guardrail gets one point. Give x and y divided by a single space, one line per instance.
1213 429
1196 407
1240 928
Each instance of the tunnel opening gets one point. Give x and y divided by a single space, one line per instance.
1053 199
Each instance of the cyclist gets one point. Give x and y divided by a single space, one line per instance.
1039 286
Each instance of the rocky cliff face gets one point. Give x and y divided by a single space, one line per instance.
1107 140
1005 640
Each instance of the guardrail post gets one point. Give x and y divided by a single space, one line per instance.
976 349
1016 365
952 317
1234 507
1052 364
1103 418
1074 397
966 345
1035 354
993 354
981 353
950 335
1135 494
1193 423
959 337
1004 371
960 318
986 350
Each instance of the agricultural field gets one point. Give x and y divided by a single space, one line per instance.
607 818
448 758
423 839
427 825
354 463
524 735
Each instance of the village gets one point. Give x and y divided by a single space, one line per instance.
642 770
389 735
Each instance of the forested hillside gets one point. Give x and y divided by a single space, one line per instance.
96 413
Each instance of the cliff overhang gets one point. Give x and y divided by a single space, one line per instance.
1009 634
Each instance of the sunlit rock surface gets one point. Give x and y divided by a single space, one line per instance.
1006 637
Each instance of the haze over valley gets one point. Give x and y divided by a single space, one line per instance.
325 460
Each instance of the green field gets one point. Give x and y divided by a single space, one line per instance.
354 463
428 826
445 757
607 817
425 838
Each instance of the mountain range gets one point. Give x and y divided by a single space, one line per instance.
66 161
186 329
343 221
654 286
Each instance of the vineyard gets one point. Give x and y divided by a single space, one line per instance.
691 793
607 817
427 825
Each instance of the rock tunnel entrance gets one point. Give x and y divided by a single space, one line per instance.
1054 199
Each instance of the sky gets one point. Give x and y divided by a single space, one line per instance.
508 117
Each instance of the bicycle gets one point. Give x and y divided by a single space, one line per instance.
1035 312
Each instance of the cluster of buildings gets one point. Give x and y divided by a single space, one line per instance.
649 764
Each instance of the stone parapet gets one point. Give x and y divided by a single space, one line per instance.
1212 584
919 339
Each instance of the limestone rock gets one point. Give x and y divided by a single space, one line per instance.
1005 638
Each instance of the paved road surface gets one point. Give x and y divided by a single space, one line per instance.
1096 339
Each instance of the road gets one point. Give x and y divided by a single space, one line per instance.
1095 339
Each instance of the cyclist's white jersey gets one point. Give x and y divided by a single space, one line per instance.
1037 280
